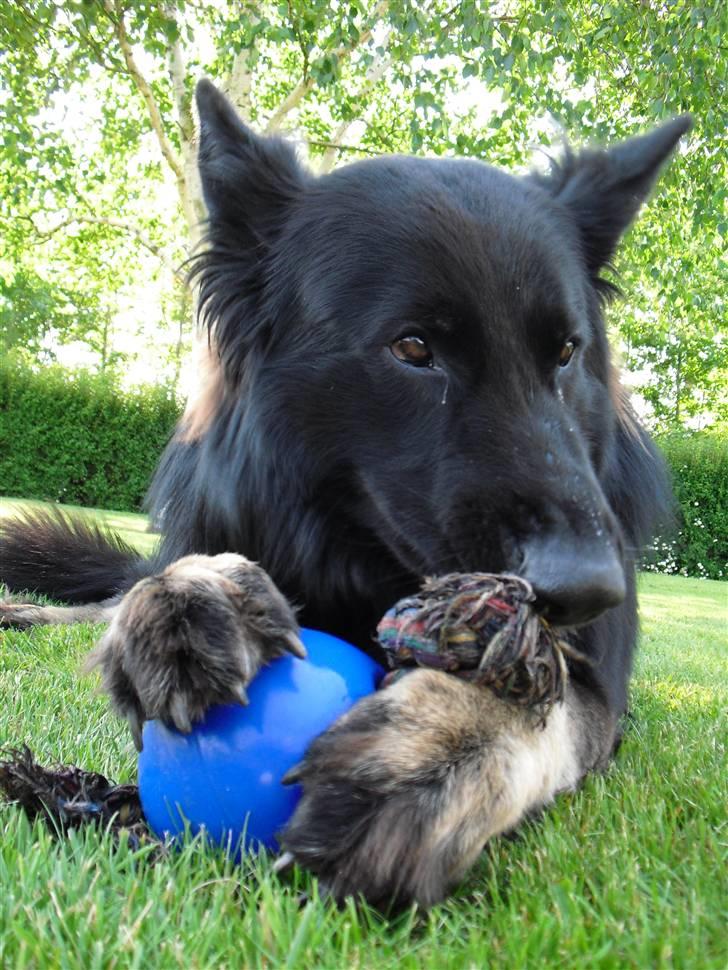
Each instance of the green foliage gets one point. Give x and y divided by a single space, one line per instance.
699 467
78 437
33 309
97 134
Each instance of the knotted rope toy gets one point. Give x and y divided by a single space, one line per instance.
478 626
67 797
483 628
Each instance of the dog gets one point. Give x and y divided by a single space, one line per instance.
407 375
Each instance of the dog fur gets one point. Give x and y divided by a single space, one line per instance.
408 374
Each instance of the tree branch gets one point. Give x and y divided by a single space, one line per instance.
68 37
346 148
299 92
239 82
116 15
141 237
188 187
299 38
376 72
177 72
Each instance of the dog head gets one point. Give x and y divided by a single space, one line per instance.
410 355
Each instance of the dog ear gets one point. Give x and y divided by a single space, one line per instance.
247 180
248 183
604 189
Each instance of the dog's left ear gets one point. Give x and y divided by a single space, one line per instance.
604 189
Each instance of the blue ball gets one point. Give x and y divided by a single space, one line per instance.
225 776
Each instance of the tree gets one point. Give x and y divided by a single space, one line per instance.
30 310
350 79
673 330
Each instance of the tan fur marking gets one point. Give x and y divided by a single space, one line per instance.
621 402
206 402
451 765
521 770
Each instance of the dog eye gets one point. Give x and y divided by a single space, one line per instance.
412 350
567 352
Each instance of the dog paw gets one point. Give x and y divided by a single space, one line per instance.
401 793
190 637
19 616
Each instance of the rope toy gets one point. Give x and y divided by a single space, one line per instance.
481 627
67 797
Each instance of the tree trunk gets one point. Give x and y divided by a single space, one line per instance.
678 382
105 344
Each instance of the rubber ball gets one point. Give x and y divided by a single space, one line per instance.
224 777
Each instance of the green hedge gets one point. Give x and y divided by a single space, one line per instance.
699 544
78 437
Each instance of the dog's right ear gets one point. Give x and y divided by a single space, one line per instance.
247 180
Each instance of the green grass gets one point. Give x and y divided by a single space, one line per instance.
628 872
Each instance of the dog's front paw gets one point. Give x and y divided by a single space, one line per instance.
192 636
401 794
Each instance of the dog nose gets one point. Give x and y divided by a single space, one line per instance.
574 583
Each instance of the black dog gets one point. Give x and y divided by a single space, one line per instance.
408 375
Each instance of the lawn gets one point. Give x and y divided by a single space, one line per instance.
628 872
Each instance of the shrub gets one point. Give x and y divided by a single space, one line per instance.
699 544
78 437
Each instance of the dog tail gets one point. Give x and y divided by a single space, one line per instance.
69 559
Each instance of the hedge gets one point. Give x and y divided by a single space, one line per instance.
78 437
698 546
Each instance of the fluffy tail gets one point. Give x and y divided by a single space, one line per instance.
68 559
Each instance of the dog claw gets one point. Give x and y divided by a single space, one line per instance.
284 862
135 726
241 693
179 714
294 774
294 644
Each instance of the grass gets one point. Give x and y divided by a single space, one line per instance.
628 872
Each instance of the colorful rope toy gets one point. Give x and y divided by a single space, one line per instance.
481 627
